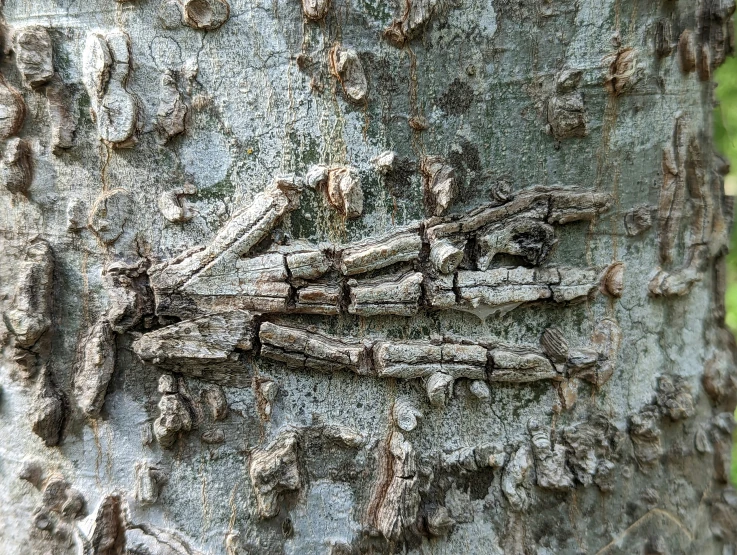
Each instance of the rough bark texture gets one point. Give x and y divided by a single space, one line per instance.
363 277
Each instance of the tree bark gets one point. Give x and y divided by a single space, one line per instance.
340 277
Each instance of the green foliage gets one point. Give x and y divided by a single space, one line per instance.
725 136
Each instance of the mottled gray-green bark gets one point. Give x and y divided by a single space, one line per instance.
419 276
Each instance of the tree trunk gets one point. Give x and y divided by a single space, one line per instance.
341 277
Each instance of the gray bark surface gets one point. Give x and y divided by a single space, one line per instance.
434 276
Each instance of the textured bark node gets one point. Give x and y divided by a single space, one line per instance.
346 66
206 15
12 110
106 69
95 369
315 9
172 108
313 276
34 56
62 120
17 166
566 111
